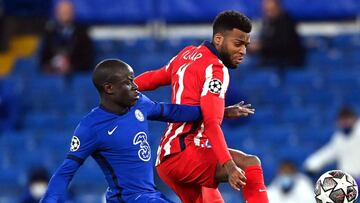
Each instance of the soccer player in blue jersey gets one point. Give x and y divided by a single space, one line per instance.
116 134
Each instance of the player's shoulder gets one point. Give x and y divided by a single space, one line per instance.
142 101
88 121
93 118
208 58
187 48
213 63
184 52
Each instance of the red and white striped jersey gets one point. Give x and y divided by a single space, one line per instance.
197 77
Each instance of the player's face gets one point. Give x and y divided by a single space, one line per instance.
125 92
233 47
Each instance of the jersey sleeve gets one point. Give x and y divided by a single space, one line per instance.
325 155
83 143
171 112
212 104
57 188
153 79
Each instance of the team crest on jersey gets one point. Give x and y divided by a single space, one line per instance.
139 115
75 144
215 86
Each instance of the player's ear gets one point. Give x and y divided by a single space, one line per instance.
218 39
108 88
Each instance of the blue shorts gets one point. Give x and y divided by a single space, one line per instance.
152 198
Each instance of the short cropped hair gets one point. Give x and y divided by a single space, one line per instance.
228 20
105 70
346 112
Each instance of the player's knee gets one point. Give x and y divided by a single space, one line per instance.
250 160
253 160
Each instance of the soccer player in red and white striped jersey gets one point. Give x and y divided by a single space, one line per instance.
193 157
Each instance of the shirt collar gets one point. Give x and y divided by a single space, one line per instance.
212 48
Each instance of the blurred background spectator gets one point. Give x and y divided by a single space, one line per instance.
343 148
37 184
279 43
67 47
3 40
9 106
290 185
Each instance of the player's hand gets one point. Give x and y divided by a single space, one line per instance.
236 176
238 110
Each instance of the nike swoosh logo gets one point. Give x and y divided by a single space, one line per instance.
112 131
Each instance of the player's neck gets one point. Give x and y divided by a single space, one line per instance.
113 108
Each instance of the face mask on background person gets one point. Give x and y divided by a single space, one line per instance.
287 183
38 189
346 131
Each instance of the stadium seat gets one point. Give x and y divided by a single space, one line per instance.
43 92
26 66
264 116
303 79
343 79
300 116
319 97
260 79
315 137
42 121
241 137
275 136
277 97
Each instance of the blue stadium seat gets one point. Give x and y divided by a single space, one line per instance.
313 43
43 92
344 41
300 116
275 136
241 137
303 79
319 97
152 61
264 116
83 93
104 46
27 66
260 79
277 97
297 154
315 137
343 79
10 178
12 140
42 121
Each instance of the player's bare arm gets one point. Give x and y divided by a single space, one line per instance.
238 110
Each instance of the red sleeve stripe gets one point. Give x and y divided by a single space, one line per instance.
225 82
168 65
208 77
167 146
199 135
181 73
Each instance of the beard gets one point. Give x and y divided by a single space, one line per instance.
226 59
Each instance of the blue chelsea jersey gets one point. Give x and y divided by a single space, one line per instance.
119 144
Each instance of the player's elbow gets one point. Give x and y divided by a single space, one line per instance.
212 122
